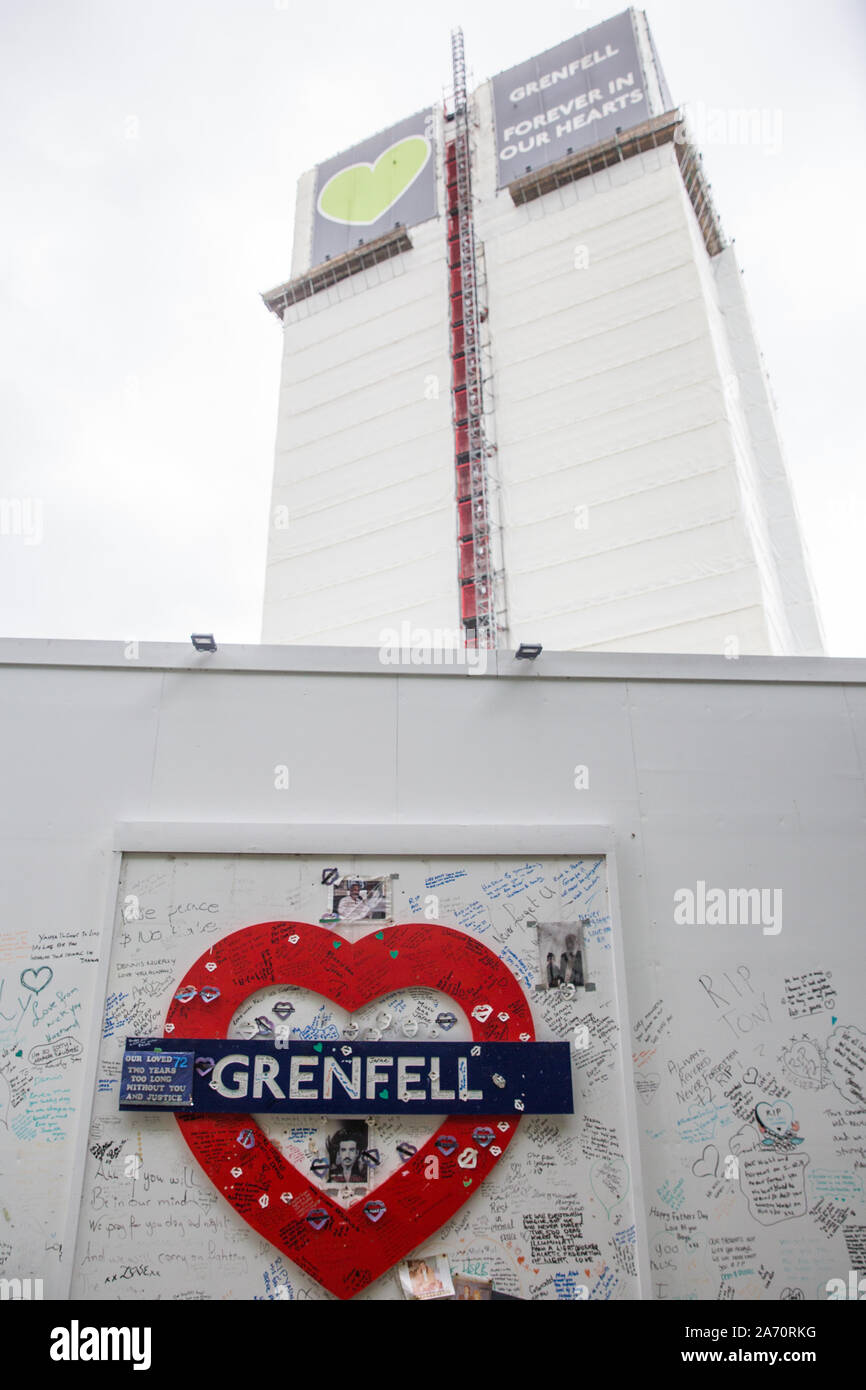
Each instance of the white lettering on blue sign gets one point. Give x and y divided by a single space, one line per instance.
310 1081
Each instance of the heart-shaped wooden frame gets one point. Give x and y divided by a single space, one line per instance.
351 1249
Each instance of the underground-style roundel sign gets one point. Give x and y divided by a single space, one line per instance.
347 1249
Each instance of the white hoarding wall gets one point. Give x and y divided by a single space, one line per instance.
734 797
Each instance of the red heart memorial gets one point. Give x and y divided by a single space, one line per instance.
347 1249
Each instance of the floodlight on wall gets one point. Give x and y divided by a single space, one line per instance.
528 651
203 641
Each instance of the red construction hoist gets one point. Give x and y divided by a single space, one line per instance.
477 567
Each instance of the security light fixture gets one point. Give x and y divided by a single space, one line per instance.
203 642
528 651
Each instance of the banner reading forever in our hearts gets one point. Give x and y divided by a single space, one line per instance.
347 1249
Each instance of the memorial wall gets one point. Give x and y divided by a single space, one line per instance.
323 979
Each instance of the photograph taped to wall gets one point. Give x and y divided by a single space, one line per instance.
472 1288
353 899
562 955
429 1277
346 1145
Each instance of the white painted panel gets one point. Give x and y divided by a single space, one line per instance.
185 1234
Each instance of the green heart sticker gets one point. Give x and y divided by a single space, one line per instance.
336 945
393 954
380 936
362 193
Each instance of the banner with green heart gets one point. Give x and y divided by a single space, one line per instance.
364 192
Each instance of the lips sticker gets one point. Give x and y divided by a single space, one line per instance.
345 1250
446 1144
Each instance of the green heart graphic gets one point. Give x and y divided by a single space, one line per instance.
393 954
362 193
336 945
383 1095
380 936
317 1047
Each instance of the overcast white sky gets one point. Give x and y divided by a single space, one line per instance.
149 166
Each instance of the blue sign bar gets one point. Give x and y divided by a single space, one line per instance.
359 1078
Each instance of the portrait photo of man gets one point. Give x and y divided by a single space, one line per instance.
346 1147
360 900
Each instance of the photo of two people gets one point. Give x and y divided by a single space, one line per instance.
562 955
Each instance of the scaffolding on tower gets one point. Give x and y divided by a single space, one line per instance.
482 607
